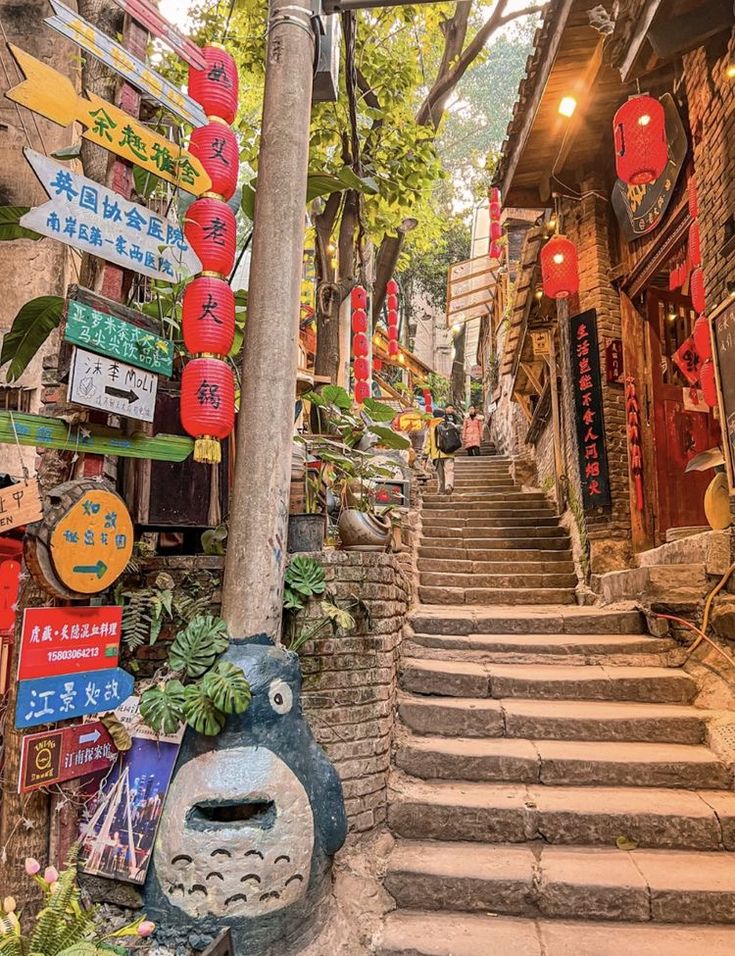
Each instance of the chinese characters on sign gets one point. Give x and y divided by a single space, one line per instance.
585 363
112 386
95 219
50 699
614 361
64 754
62 640
686 360
147 15
20 504
118 339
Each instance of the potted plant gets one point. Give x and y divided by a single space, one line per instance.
307 530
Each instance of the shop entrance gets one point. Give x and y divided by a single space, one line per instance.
681 427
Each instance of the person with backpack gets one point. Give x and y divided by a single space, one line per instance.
442 442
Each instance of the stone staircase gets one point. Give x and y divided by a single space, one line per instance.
552 792
490 543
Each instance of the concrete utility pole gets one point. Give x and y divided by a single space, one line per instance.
256 544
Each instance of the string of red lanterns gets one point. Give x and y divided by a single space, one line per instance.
360 344
391 304
496 230
208 309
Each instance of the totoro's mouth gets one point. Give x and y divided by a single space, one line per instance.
210 814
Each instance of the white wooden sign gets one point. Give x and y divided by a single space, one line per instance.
94 219
112 386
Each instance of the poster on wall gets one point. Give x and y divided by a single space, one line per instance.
588 414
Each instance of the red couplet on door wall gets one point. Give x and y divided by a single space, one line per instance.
66 640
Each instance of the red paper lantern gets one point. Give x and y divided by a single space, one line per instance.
495 195
393 349
391 303
362 391
392 333
641 148
695 245
208 311
391 287
496 231
360 345
215 145
359 320
215 87
392 318
358 298
693 197
428 402
495 250
696 290
210 228
707 381
377 365
361 368
559 268
207 405
494 211
702 338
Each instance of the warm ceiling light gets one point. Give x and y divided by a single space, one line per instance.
644 120
539 293
730 72
559 258
567 106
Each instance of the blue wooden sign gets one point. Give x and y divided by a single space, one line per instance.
50 699
93 218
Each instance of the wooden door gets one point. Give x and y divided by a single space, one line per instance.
679 432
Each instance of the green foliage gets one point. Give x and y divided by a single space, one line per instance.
147 608
425 271
227 687
195 649
162 706
304 578
213 540
202 714
10 227
31 327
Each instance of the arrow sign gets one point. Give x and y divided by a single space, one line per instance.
90 738
89 38
112 386
97 220
58 755
152 20
62 697
121 393
51 94
99 569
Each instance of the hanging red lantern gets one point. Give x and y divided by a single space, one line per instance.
707 381
391 303
559 268
496 231
360 345
361 368
362 392
702 338
215 145
207 405
693 197
641 148
392 333
216 87
359 320
495 250
494 211
210 228
391 287
695 244
377 364
495 195
428 402
208 316
696 290
358 298
392 319
393 349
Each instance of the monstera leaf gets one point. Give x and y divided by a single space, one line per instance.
227 687
202 714
162 707
306 576
196 648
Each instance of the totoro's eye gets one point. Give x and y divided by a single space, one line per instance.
281 696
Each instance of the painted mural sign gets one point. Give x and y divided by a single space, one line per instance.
117 339
129 67
112 386
66 696
20 504
51 94
587 386
62 640
64 754
94 219
149 17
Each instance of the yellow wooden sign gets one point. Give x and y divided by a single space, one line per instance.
51 94
20 504
540 343
92 542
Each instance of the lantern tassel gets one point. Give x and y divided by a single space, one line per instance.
208 450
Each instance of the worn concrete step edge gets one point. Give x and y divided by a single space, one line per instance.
512 620
488 596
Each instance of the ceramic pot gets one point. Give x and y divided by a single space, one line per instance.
306 532
359 531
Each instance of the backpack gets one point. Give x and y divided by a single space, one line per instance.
447 438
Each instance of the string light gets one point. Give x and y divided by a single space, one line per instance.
567 106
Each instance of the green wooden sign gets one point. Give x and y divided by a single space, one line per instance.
40 432
115 338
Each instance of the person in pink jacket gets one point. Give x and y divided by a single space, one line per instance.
472 432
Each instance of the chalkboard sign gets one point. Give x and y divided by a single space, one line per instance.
723 353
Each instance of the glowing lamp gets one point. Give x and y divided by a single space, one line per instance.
559 268
567 106
641 148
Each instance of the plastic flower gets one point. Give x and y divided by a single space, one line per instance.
51 874
32 866
146 928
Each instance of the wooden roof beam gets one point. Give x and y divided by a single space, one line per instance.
587 84
643 22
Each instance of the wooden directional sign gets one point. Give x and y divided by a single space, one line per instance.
40 432
97 220
142 77
71 695
64 754
62 640
20 504
51 94
147 15
108 335
112 386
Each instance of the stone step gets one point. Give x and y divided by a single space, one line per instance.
527 566
489 496
590 816
458 521
515 580
492 596
501 543
508 530
490 508
547 681
560 620
423 933
554 719
562 762
545 644
447 551
663 886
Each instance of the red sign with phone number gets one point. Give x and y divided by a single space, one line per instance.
66 640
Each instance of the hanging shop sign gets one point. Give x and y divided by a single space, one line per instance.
117 339
112 386
51 94
64 754
63 640
20 504
148 16
94 219
129 67
639 209
65 696
587 387
540 343
40 432
614 362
